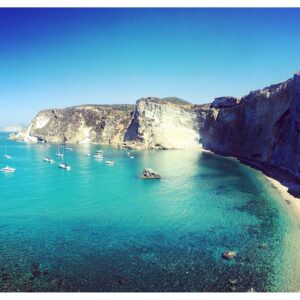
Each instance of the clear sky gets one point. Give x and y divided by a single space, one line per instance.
62 57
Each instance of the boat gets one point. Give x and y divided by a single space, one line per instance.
6 155
88 154
59 154
110 162
98 156
131 156
8 169
48 160
99 152
64 165
69 148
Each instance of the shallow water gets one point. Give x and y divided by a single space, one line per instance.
100 228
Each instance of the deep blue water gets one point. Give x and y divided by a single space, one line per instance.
101 228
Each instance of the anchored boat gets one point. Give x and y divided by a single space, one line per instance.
8 169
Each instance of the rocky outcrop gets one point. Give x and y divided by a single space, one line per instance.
101 124
223 102
150 174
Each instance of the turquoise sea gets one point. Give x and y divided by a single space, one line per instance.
101 228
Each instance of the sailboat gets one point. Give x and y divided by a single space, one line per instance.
48 160
6 155
8 169
64 165
59 154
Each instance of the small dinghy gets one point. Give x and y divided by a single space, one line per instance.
8 169
131 156
69 148
110 162
99 152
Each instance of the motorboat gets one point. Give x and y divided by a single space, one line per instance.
110 162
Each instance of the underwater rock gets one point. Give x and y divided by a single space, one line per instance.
150 174
5 276
229 255
263 246
122 280
36 273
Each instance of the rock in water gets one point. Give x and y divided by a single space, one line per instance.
229 255
150 174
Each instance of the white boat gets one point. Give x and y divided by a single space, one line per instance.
8 169
98 156
88 154
64 166
110 162
48 160
131 156
59 154
6 156
99 151
69 148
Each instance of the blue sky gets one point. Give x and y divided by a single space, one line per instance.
61 57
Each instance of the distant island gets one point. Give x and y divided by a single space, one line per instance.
12 128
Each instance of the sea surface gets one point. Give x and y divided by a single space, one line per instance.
101 228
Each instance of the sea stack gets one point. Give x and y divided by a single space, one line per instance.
150 174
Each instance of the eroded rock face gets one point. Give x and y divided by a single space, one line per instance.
263 127
160 124
101 124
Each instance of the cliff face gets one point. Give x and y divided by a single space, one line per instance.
161 124
101 124
263 126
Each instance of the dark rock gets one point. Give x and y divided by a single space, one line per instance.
223 102
263 246
36 273
229 255
5 276
150 174
122 280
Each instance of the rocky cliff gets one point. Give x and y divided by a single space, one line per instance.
261 127
162 124
103 124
